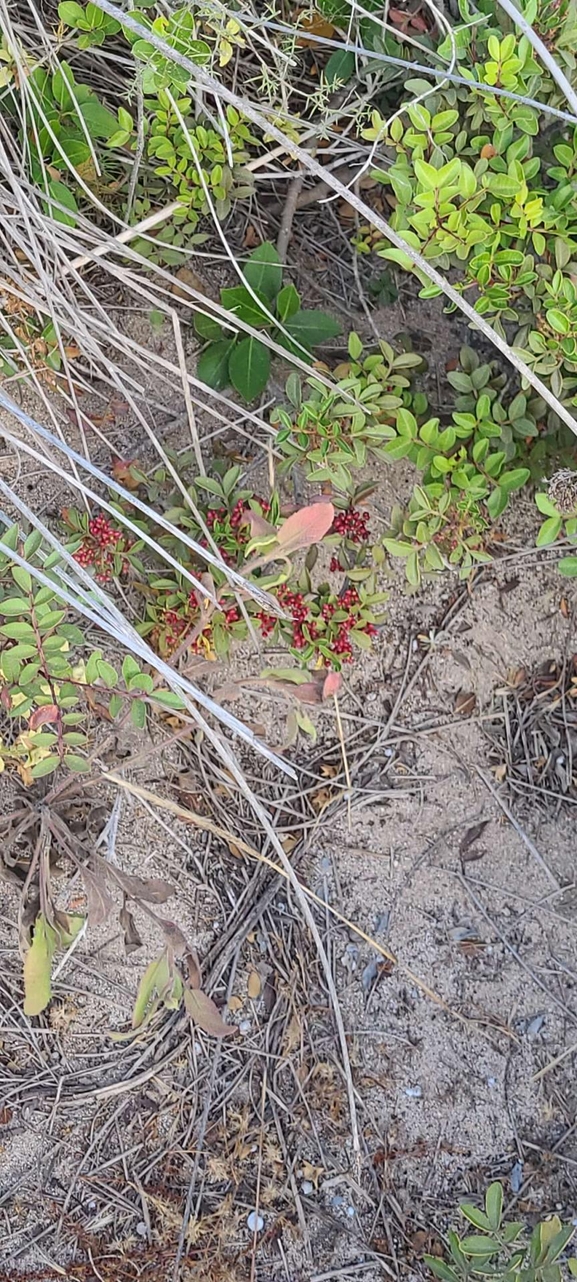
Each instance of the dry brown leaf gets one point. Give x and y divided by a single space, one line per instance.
186 276
254 986
235 1004
472 835
500 772
153 889
203 1012
132 940
99 900
465 703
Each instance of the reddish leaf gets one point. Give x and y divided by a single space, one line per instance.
259 527
45 716
332 684
203 1012
305 527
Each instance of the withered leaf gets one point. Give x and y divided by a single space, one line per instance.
465 703
193 967
203 1012
99 899
132 939
472 835
174 937
152 889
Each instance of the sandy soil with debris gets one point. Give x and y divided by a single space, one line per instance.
447 912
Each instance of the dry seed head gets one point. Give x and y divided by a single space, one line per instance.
563 491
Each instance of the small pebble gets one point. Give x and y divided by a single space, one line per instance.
307 1188
492 1082
245 1026
255 1222
350 1212
337 1200
516 1177
413 1092
141 1229
535 1026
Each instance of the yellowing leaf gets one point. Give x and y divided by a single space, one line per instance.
38 967
153 983
254 985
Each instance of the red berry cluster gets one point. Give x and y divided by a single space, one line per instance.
334 631
351 525
100 546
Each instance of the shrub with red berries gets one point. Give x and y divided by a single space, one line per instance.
322 626
349 534
102 546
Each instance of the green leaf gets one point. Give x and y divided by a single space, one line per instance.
38 967
312 327
249 368
153 982
168 699
494 1205
568 566
69 13
32 543
45 767
545 505
287 303
10 665
59 192
15 605
479 1247
558 320
207 327
19 631
340 66
107 674
263 270
212 366
79 765
514 479
549 531
138 713
100 122
475 1216
238 301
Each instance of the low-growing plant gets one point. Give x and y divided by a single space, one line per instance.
558 524
504 1250
474 190
441 529
242 360
51 680
332 433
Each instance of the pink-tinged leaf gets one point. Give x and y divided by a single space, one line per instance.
174 937
305 527
152 889
203 1012
332 684
45 716
259 527
306 692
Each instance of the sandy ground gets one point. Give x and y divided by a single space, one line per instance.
459 1016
